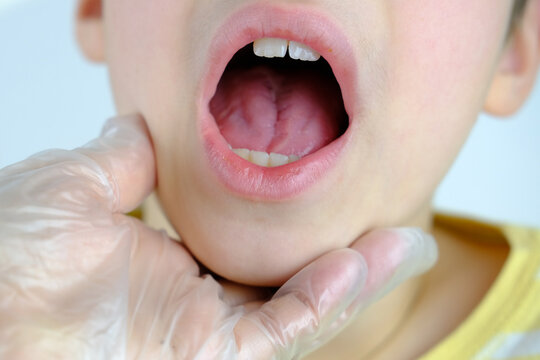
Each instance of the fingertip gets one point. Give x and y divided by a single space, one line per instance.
124 151
422 248
394 255
118 126
398 245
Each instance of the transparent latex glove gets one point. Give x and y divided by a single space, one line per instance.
80 280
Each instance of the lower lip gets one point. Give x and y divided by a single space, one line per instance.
240 176
262 183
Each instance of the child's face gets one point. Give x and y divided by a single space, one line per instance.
418 76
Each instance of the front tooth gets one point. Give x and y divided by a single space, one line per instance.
259 157
262 158
243 153
293 158
278 159
300 51
270 47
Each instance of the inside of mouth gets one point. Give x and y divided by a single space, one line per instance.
278 105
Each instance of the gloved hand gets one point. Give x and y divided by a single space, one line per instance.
81 280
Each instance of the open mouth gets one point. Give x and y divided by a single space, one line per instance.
277 102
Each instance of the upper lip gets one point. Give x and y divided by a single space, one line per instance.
292 22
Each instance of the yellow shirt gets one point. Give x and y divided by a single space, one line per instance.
506 324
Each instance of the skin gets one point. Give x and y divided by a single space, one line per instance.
426 68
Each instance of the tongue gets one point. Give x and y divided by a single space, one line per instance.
286 111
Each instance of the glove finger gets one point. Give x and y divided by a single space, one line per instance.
307 303
283 330
112 173
174 312
393 256
124 152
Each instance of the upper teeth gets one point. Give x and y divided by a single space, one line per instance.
262 158
272 47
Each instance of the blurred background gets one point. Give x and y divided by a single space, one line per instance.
50 97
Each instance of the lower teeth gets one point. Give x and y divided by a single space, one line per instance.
265 159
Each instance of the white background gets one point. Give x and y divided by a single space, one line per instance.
51 98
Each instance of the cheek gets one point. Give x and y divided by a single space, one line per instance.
145 56
154 73
447 48
442 57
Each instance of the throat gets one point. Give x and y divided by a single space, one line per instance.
375 329
278 108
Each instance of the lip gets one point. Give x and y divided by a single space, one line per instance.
296 23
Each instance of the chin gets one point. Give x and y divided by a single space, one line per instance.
258 254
